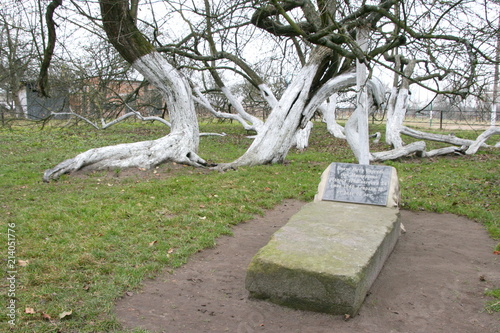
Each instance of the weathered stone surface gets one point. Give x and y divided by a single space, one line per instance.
366 184
325 258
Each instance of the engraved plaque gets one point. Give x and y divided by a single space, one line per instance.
365 184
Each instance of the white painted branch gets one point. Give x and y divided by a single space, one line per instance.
481 139
376 137
268 95
329 111
202 100
352 135
435 137
444 151
398 104
377 90
332 86
362 106
117 120
256 122
213 134
415 147
396 111
136 114
76 115
391 107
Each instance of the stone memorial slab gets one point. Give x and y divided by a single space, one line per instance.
329 253
363 184
326 257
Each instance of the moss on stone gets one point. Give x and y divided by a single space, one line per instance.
325 257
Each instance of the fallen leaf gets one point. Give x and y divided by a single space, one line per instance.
496 252
202 206
29 310
202 217
171 250
65 314
153 243
23 263
46 316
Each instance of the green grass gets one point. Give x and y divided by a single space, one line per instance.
88 238
493 305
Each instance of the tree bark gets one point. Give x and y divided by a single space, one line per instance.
301 140
329 110
356 128
43 78
398 105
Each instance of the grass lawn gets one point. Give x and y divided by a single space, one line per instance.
84 240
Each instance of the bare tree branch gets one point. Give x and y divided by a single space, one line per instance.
43 78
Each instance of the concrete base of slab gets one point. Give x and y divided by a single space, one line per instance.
325 258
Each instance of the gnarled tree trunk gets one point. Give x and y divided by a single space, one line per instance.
356 128
397 106
181 144
329 111
290 114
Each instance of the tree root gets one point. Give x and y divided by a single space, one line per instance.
145 154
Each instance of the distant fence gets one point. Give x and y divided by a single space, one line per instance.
451 119
439 119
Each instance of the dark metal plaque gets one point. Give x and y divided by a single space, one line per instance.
365 184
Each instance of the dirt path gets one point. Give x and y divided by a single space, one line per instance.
434 281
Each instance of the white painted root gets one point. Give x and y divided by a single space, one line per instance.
473 148
145 154
415 147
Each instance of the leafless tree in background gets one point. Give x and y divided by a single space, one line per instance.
420 42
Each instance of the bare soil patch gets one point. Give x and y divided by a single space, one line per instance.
434 281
